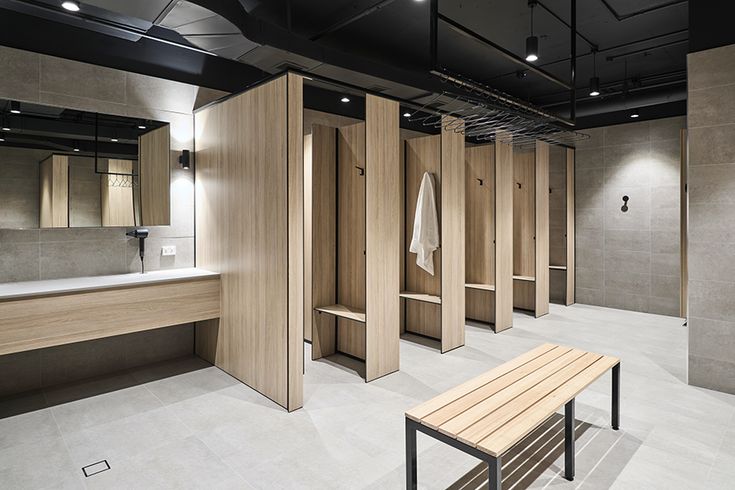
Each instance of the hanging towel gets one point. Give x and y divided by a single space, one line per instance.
425 226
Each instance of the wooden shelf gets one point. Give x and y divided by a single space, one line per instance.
482 287
343 311
558 267
426 298
525 278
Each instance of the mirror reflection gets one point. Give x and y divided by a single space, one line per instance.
67 168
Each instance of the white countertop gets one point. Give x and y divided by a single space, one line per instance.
15 290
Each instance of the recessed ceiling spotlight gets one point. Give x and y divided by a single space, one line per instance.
141 126
76 149
15 107
634 114
5 128
2 139
406 114
70 5
114 140
345 99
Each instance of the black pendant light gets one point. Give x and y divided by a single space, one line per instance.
595 80
531 41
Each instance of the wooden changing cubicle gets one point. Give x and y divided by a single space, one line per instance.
353 239
561 225
489 233
531 228
434 305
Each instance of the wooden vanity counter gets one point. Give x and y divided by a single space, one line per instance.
37 314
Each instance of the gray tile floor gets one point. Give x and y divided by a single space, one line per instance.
185 424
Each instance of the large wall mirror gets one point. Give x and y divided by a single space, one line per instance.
64 168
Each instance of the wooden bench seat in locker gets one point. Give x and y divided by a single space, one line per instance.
434 304
489 233
352 200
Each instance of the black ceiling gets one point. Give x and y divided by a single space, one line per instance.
641 59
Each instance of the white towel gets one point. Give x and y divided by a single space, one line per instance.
425 226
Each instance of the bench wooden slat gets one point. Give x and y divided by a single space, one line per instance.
527 420
447 397
487 408
462 404
496 421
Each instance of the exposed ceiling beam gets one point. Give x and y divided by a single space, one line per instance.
353 18
647 10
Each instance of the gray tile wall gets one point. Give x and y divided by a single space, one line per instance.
711 121
46 254
629 260
557 222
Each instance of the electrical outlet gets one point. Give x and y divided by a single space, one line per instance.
167 250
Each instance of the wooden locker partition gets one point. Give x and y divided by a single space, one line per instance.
249 220
561 224
54 192
503 232
355 231
531 229
489 233
434 305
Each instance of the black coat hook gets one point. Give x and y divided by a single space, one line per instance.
518 184
480 181
624 208
362 170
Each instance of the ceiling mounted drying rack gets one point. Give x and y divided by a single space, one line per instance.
486 112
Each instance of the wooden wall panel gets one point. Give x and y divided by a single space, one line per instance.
54 192
524 295
295 171
542 229
504 185
571 261
383 236
524 227
422 155
323 191
117 202
351 182
35 323
453 238
480 231
155 176
242 232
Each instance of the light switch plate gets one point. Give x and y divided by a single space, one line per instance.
167 250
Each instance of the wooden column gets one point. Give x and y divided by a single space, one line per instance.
452 237
503 232
382 194
542 229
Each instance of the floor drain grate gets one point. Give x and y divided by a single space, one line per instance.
94 468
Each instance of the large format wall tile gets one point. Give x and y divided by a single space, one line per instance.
630 260
56 253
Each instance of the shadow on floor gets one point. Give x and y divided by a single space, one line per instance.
32 401
527 460
348 364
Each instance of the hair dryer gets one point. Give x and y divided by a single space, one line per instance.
141 234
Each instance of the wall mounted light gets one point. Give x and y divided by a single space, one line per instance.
344 100
531 41
71 6
14 107
185 159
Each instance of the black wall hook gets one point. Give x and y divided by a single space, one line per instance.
624 208
518 184
362 170
480 181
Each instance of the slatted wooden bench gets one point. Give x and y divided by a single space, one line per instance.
487 415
